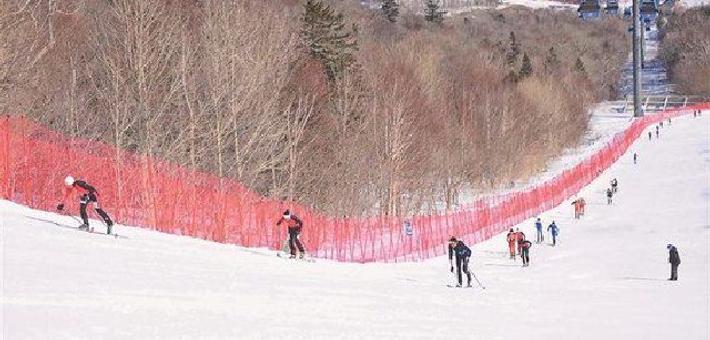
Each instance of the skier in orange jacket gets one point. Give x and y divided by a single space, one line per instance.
512 236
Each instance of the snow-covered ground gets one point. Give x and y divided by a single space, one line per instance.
605 280
694 3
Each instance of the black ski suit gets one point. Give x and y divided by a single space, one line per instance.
609 194
463 254
88 195
674 260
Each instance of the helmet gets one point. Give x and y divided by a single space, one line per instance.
69 181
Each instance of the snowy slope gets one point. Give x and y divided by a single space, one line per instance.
606 280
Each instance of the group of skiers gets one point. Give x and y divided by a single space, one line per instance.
458 251
518 244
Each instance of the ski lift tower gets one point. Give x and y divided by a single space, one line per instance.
638 111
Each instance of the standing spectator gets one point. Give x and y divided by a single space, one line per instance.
538 227
649 135
614 185
635 157
674 260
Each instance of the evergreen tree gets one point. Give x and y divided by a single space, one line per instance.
328 41
432 12
390 8
552 63
526 69
511 55
579 67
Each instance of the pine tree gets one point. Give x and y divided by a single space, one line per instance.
511 55
432 12
390 8
579 67
552 63
526 69
325 35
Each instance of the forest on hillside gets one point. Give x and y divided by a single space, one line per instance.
685 48
351 110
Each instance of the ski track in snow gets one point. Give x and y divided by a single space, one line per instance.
605 280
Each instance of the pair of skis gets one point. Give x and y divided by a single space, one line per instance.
285 254
90 230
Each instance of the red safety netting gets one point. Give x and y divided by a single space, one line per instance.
144 191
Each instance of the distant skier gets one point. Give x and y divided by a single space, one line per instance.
614 185
552 228
609 194
669 121
674 260
511 243
526 253
295 225
462 253
582 206
657 132
579 205
661 124
538 227
635 157
649 135
88 195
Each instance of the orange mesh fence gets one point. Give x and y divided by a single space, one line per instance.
144 191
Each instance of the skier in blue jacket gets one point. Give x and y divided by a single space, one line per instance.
552 228
540 235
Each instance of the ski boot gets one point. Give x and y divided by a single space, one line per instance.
301 256
458 285
469 285
84 226
292 256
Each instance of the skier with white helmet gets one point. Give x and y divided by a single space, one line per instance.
87 194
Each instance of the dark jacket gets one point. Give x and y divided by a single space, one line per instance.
553 229
673 256
461 251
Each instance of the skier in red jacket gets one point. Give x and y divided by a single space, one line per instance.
512 236
294 225
519 237
87 194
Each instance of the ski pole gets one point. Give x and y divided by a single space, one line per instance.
479 282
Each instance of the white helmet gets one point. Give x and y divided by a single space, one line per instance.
69 181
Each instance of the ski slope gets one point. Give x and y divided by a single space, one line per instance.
605 280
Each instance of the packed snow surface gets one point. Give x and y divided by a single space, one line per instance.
606 279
